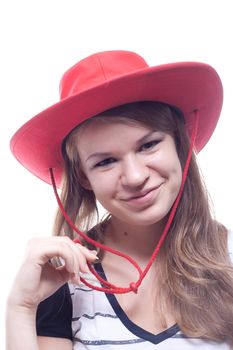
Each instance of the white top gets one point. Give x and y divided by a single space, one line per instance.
100 323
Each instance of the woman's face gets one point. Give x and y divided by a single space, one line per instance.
133 170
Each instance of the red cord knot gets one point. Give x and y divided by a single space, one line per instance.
133 286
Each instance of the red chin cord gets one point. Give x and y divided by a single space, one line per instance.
133 286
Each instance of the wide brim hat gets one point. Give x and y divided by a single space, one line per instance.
108 79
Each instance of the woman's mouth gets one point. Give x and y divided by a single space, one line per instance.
144 198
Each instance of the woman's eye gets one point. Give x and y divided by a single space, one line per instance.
149 145
105 162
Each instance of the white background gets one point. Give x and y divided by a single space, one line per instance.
41 39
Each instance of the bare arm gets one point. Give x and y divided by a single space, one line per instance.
36 280
21 333
20 328
46 343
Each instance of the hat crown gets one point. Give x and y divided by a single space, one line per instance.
98 69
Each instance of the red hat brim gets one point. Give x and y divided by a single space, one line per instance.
189 86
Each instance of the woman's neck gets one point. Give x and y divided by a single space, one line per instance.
138 242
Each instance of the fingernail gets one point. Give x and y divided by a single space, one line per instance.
94 252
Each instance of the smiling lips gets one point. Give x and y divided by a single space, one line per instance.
143 198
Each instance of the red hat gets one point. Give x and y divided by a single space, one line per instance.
108 79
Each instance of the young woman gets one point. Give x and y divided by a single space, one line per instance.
156 272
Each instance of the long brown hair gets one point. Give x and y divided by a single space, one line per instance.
197 281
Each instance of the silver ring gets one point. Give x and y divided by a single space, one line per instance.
57 262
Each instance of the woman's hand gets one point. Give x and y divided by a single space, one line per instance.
37 278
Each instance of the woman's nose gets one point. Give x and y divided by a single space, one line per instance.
134 172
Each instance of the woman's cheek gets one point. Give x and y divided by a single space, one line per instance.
102 183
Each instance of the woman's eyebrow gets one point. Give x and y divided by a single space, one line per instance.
98 154
143 138
107 154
